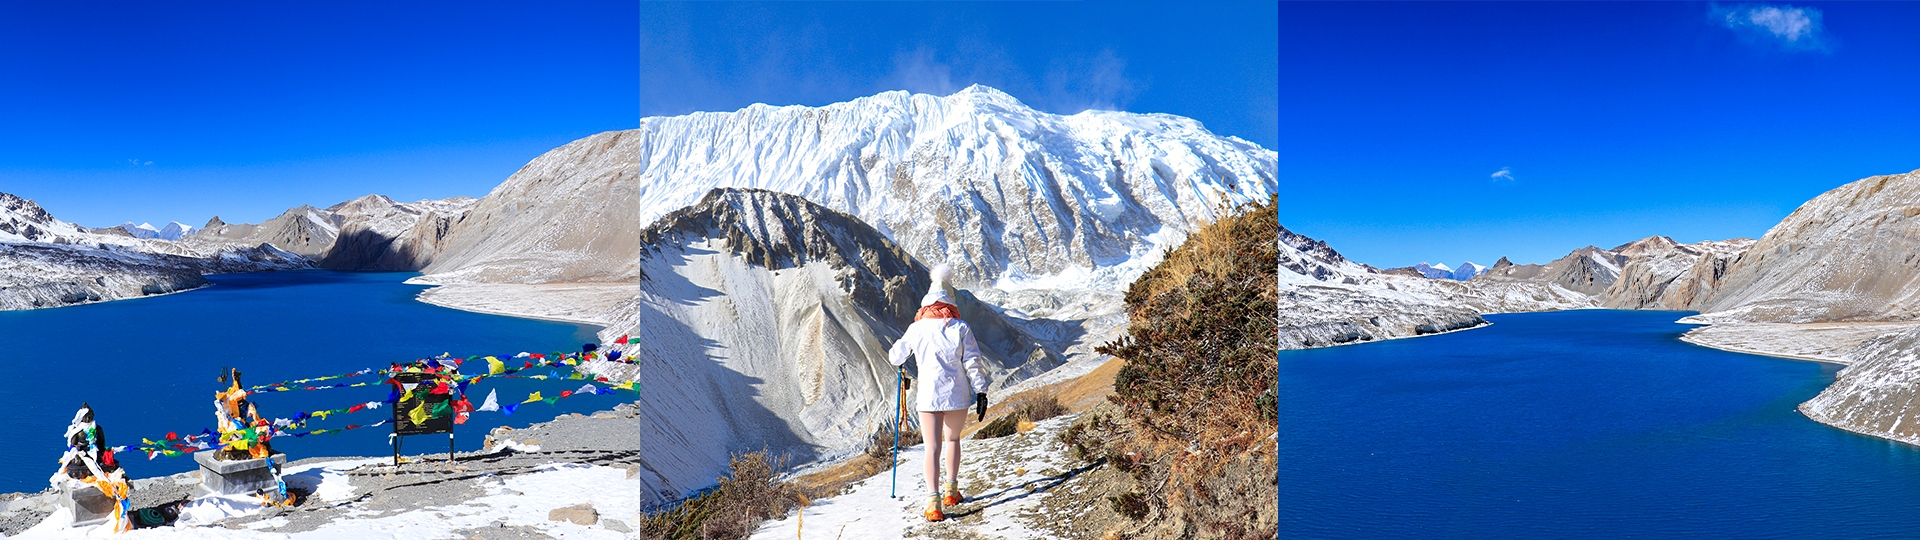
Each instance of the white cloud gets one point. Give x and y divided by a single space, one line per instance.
1788 27
921 71
1505 173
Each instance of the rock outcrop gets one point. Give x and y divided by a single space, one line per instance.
378 234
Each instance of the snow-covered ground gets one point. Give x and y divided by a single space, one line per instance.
1006 481
519 500
1823 342
510 490
589 303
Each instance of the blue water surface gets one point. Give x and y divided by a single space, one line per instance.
148 366
1579 424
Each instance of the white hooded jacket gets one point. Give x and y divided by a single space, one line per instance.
943 347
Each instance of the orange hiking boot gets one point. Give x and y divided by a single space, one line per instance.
951 492
933 512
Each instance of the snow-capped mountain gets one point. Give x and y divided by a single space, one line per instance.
175 230
1329 300
1434 271
172 232
1005 194
23 221
1468 270
768 318
143 230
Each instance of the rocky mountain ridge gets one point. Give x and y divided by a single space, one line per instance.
372 232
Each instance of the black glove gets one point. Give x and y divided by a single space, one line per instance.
980 406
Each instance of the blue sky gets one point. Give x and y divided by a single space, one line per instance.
1614 121
1211 61
181 111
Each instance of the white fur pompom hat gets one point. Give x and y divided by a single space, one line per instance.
942 276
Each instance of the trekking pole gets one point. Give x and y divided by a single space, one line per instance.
893 458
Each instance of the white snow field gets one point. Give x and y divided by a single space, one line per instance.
1005 480
521 501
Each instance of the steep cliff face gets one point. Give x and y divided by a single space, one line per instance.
376 233
1846 255
766 319
565 217
1663 274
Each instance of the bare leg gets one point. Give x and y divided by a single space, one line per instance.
953 422
931 434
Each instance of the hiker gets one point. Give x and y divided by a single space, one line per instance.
952 379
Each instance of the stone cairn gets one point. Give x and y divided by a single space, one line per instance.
90 482
244 462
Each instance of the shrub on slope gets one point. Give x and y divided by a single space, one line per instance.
1196 389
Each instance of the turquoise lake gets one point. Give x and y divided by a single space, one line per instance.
148 366
1580 424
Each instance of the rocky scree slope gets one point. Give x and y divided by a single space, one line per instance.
565 217
976 179
765 321
1846 255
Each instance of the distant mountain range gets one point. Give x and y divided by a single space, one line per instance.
1466 271
46 262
